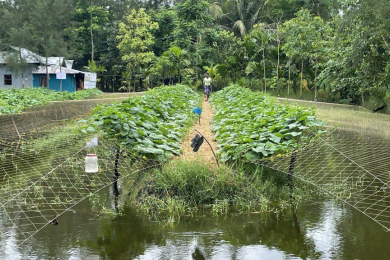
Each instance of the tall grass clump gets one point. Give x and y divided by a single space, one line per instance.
183 187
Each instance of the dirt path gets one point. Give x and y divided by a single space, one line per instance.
204 154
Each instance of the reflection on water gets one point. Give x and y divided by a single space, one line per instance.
317 231
324 233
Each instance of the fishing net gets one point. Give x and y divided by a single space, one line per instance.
350 167
42 166
43 176
38 189
39 120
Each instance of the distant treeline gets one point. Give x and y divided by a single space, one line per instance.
336 50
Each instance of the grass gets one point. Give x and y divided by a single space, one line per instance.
107 95
351 118
181 188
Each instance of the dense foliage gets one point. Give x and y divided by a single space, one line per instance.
252 125
14 100
151 125
329 50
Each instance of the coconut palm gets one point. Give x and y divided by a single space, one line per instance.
238 15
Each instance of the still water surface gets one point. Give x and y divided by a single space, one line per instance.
318 230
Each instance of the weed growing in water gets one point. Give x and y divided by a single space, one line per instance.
182 187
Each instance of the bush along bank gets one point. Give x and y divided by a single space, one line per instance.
250 126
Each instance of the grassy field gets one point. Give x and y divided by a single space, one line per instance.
106 95
350 118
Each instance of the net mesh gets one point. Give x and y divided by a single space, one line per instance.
42 168
38 121
37 191
350 167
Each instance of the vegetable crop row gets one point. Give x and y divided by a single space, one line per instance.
14 100
150 125
250 125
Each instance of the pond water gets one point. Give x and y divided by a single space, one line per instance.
318 230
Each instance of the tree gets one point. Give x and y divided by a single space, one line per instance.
163 68
192 18
136 39
53 35
239 15
164 33
302 35
19 35
359 64
257 41
179 58
92 27
217 45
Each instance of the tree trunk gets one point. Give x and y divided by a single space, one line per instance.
22 79
92 46
178 72
59 62
277 67
315 83
20 59
47 73
134 82
197 58
289 77
265 82
300 91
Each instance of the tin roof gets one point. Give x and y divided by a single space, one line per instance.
27 55
30 57
54 60
53 69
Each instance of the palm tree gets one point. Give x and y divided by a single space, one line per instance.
179 58
238 15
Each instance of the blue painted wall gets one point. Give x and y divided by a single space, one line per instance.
68 84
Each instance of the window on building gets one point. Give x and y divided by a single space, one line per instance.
8 80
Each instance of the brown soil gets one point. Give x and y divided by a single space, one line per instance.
204 154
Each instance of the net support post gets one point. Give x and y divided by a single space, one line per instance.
116 172
290 174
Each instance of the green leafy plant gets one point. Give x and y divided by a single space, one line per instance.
151 125
250 125
14 100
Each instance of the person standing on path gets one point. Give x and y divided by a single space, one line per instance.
207 86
